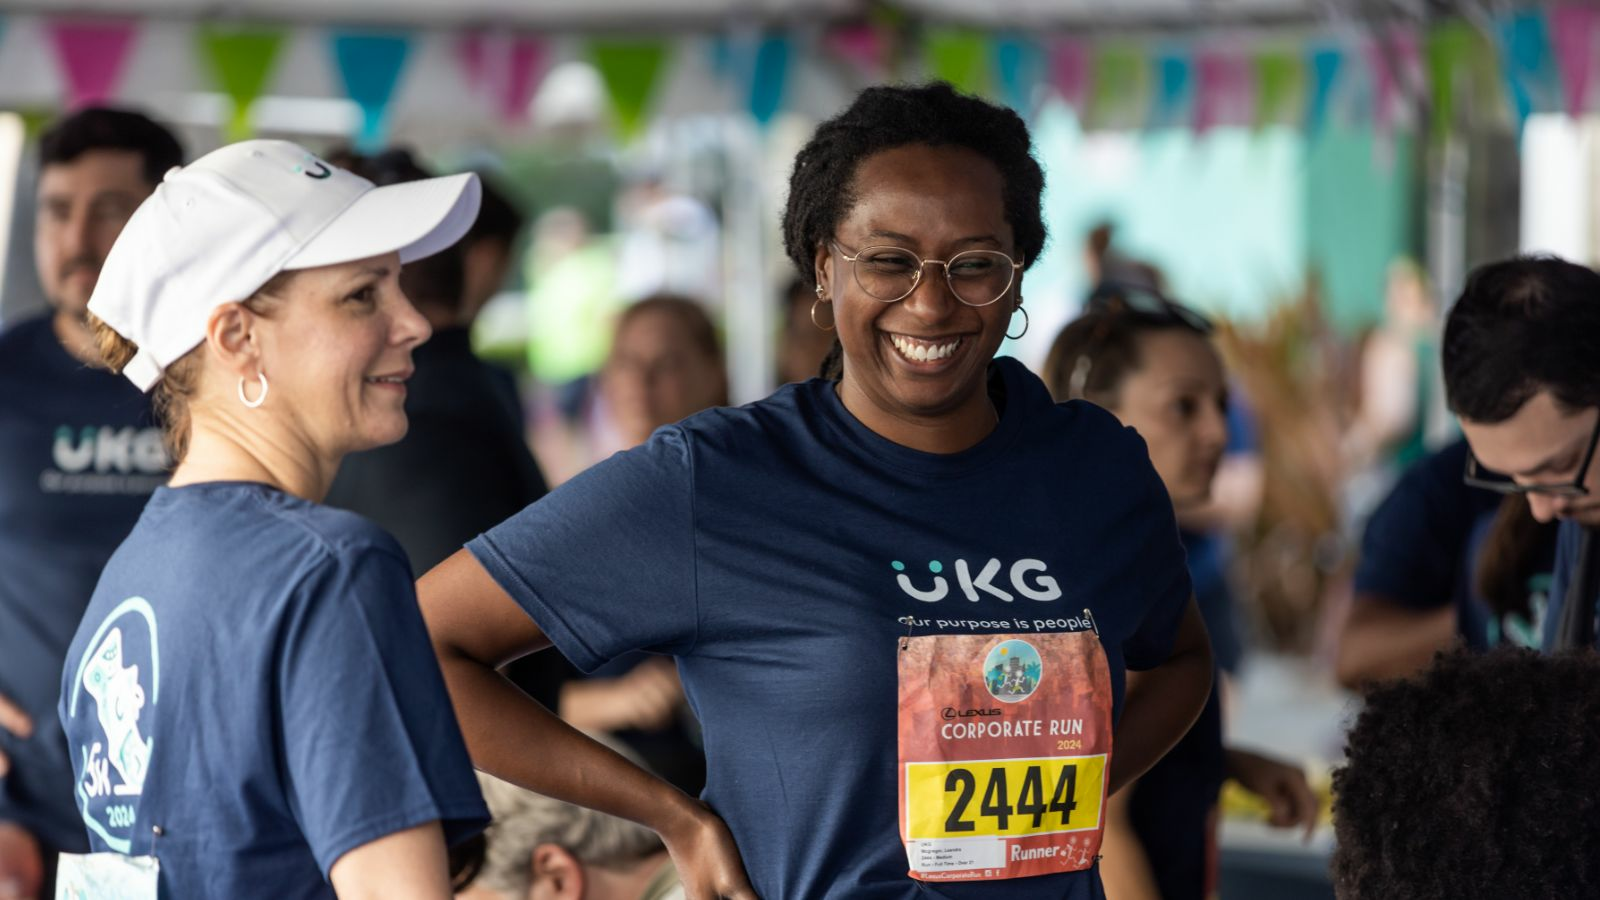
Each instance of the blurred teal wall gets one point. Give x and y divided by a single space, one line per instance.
1359 215
1236 218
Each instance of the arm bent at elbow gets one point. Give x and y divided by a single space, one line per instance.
476 627
1382 639
1160 705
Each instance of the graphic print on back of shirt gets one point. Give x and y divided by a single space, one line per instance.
117 684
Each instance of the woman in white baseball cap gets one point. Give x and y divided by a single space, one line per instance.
251 700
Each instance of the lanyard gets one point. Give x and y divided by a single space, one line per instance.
1576 628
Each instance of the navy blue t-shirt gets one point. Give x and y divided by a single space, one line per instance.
79 456
779 551
253 679
1421 545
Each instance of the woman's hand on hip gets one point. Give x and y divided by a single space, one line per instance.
707 858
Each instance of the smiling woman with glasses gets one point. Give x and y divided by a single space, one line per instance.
905 625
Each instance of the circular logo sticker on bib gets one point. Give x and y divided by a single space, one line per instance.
1012 671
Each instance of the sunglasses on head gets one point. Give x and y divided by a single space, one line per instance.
1120 297
1112 299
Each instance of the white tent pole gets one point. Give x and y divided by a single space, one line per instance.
747 305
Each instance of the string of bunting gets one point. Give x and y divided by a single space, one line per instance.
1532 60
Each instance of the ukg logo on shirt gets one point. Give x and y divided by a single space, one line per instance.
1026 577
116 683
105 459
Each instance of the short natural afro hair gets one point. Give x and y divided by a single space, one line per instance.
885 117
1478 778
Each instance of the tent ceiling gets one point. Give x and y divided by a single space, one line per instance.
623 14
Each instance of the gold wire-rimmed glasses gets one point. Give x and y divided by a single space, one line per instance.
889 274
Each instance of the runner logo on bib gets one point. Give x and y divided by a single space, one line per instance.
1004 745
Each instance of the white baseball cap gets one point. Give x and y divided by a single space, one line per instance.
219 228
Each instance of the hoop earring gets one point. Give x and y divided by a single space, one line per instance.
1024 330
253 404
814 314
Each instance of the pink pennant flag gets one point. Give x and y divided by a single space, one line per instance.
1222 89
1397 76
862 46
507 68
1572 32
1383 85
1407 56
91 54
1069 72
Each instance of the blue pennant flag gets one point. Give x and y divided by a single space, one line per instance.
771 72
1325 64
1174 80
370 64
1018 66
1527 60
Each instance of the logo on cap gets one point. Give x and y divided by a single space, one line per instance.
322 170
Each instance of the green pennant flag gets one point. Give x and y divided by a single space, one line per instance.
1461 62
1121 77
36 119
961 58
630 69
240 60
1280 86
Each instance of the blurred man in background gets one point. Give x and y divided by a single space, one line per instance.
79 456
464 464
1519 365
1443 561
489 250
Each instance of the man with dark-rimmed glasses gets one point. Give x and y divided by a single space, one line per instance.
1522 372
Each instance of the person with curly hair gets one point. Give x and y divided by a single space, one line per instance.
907 627
1436 803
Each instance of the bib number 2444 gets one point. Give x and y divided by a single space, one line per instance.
1004 797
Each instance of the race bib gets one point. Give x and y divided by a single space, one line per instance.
106 876
1005 741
